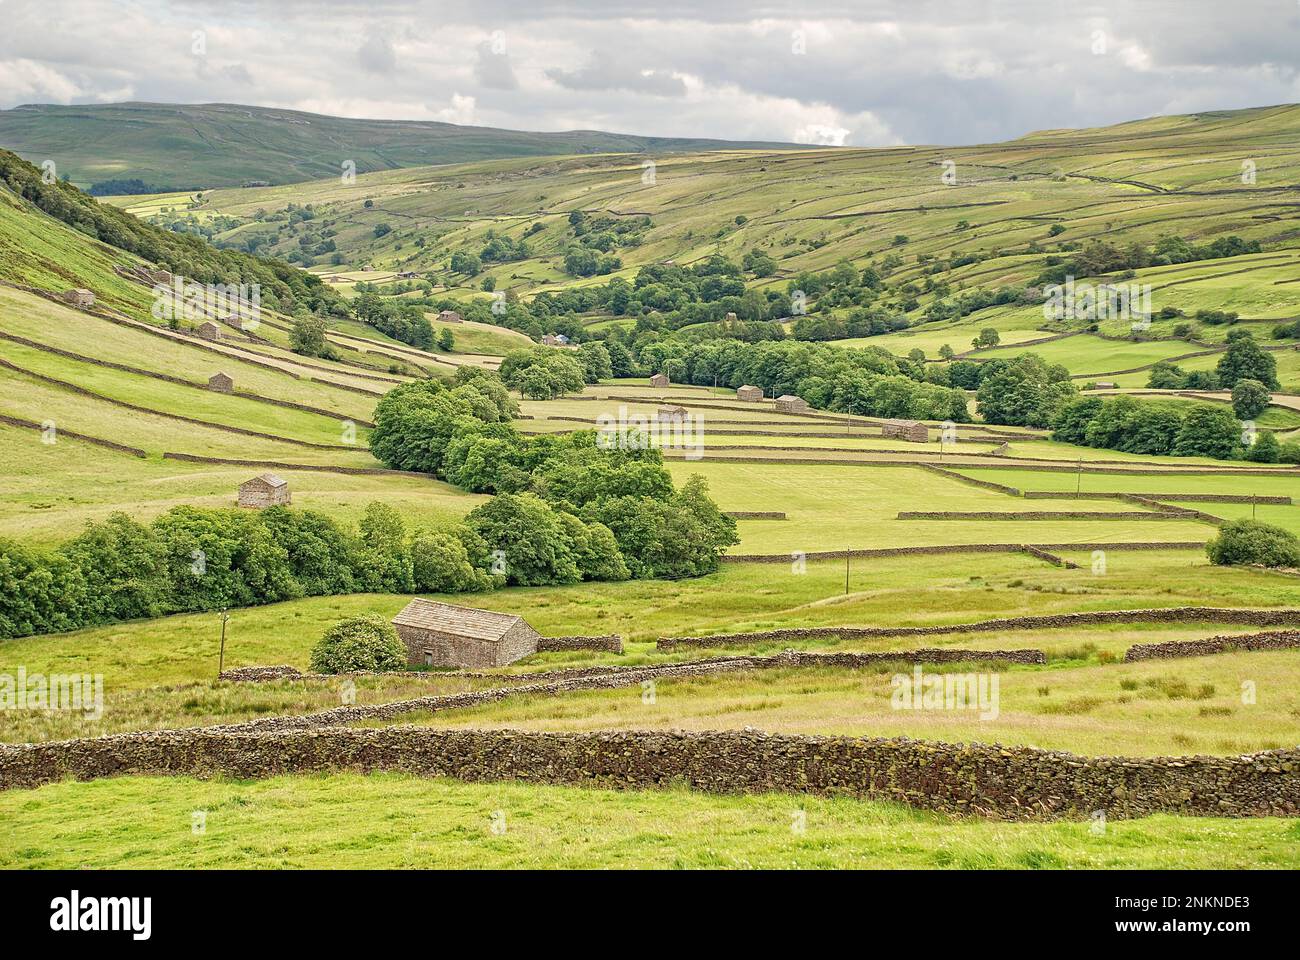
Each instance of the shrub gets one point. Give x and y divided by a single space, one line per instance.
1252 542
361 643
1250 398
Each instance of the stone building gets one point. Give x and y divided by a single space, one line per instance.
671 414
749 392
1105 385
209 330
264 490
555 340
221 383
81 298
449 316
910 430
789 403
445 635
659 380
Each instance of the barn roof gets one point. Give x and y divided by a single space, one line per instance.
271 479
787 397
904 423
461 621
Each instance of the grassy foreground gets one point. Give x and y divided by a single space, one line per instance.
391 820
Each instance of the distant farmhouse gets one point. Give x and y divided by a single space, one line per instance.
221 383
555 340
209 330
749 392
81 298
449 316
910 430
264 490
671 414
659 380
789 403
445 635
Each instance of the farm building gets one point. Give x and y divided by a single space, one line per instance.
209 330
555 340
1105 385
80 298
789 403
445 635
160 276
264 490
912 431
749 392
449 316
221 383
659 380
671 414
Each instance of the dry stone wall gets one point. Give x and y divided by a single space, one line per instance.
1275 640
1011 783
1262 618
610 643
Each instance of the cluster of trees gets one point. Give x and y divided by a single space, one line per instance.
1101 257
867 382
1166 428
544 373
1021 391
399 319
196 559
565 508
282 286
1243 360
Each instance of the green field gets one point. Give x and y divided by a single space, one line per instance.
390 821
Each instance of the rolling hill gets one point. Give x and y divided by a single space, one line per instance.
197 146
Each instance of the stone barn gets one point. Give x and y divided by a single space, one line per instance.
209 330
449 316
659 380
80 298
1105 385
910 430
749 392
445 635
264 490
671 414
789 403
221 383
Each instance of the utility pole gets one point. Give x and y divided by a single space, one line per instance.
846 571
1078 487
1254 502
221 657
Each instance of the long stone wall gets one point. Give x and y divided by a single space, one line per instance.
954 548
1251 617
1172 514
755 514
84 437
1188 497
1011 783
1275 640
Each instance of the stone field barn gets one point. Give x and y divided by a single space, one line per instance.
445 635
909 430
264 490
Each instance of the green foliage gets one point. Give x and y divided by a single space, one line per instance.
1024 391
1250 398
1252 542
1246 360
307 337
367 643
543 373
1265 449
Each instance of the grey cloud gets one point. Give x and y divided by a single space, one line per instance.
493 69
606 72
377 55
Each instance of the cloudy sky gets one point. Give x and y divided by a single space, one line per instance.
861 73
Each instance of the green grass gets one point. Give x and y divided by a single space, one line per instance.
52 491
1148 708
393 821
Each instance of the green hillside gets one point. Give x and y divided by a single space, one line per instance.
195 146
